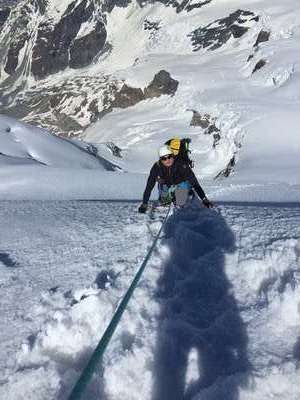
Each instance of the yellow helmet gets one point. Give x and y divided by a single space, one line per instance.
175 146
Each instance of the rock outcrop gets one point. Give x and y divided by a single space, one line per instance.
69 108
208 124
261 63
4 14
263 36
48 49
71 38
56 49
161 84
216 34
228 170
127 97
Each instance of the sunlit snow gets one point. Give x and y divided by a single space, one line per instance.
216 314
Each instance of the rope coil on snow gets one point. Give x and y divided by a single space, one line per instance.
91 366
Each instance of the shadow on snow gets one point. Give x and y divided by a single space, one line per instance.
8 261
198 313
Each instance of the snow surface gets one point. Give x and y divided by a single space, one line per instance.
257 114
22 144
216 314
38 165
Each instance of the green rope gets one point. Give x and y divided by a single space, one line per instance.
91 366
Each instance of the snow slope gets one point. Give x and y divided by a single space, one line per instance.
70 263
257 114
215 316
36 164
25 144
40 166
254 116
212 50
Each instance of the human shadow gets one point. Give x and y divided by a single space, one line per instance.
296 352
198 313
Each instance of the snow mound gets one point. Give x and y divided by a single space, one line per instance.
22 144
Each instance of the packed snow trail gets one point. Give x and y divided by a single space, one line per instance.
216 313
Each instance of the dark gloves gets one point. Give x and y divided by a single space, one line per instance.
207 203
142 208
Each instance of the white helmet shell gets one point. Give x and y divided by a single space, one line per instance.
164 151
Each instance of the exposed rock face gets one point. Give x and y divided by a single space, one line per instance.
161 84
4 14
185 5
261 63
200 120
8 3
19 34
13 54
229 169
115 150
179 5
219 32
207 123
46 37
127 97
68 108
151 26
84 49
58 48
71 39
263 36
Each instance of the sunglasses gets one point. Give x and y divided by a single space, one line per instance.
165 158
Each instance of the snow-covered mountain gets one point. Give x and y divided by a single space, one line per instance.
22 144
47 48
216 314
226 74
36 164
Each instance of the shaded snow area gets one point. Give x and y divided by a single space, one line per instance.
215 316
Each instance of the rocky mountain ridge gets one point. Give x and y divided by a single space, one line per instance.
43 41
67 64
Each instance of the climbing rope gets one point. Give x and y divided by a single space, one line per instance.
97 355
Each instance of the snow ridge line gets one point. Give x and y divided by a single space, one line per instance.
99 351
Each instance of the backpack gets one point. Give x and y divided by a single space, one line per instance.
180 148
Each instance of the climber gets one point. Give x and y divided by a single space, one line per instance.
176 181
